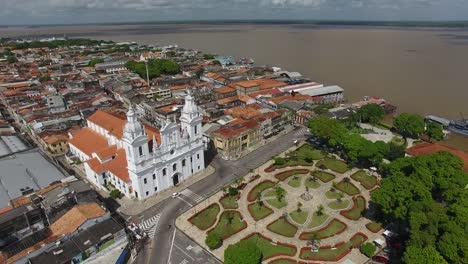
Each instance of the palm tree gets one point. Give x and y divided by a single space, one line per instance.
347 181
259 200
314 241
230 218
340 197
320 210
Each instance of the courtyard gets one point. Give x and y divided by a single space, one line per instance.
305 205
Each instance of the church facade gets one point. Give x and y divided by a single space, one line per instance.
140 160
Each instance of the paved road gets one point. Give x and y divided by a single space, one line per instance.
166 245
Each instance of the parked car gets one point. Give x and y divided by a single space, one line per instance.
380 259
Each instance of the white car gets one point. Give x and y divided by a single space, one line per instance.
176 194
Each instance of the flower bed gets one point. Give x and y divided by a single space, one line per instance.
335 165
355 212
335 227
374 227
283 261
347 187
259 212
286 174
323 176
229 223
326 253
358 239
254 178
282 227
206 217
255 192
366 180
270 250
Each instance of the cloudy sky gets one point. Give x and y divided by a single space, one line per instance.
98 11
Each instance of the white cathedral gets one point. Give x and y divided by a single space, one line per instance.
140 160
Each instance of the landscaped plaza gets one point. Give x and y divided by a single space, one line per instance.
302 207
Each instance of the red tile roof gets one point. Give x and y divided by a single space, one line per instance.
236 127
88 141
426 148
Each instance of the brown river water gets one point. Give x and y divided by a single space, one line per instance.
421 70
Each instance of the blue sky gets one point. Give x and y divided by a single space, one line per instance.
98 11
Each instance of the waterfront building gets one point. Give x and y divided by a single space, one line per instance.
137 159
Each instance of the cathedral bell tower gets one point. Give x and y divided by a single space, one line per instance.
135 141
191 119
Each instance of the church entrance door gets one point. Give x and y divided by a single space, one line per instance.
175 179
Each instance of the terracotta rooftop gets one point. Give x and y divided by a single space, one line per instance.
297 97
426 148
243 112
274 91
262 84
225 90
88 141
117 166
236 127
227 100
53 139
110 122
76 217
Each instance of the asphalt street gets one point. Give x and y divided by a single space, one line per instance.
170 245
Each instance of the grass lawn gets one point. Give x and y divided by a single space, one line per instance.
335 165
347 187
311 183
356 212
295 182
374 227
283 261
325 254
255 192
366 180
299 217
332 195
277 204
284 175
206 218
282 227
335 205
259 212
229 202
323 176
269 193
307 151
333 228
317 220
229 224
269 250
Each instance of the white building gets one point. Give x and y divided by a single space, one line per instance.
140 160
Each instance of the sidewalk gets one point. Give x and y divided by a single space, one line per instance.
131 207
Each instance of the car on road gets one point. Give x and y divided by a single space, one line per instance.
380 259
176 194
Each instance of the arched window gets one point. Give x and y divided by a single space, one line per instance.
164 172
140 150
174 167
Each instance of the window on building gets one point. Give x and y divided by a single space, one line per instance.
140 150
191 159
198 156
155 189
196 130
174 167
147 193
198 167
145 181
183 163
136 194
154 176
164 172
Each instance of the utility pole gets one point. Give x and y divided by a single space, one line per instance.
147 73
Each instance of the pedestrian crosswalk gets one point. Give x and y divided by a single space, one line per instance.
302 132
192 195
150 225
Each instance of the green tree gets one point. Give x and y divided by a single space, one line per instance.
11 59
328 130
213 240
422 255
368 249
434 131
95 61
395 151
216 62
115 194
409 125
370 113
44 78
199 72
245 252
208 56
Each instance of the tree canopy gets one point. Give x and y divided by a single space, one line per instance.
434 131
155 67
245 252
427 194
328 130
371 113
409 125
95 61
